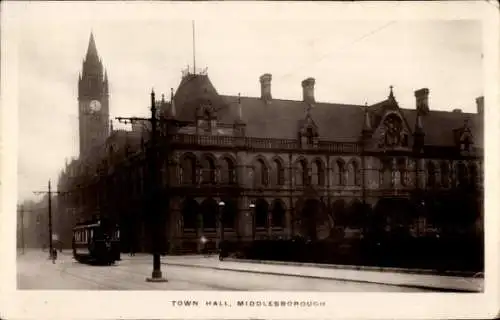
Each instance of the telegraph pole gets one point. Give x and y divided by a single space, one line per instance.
156 275
49 193
155 221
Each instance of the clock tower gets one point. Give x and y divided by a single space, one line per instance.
93 101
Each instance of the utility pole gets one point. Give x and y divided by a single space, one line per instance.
154 187
49 193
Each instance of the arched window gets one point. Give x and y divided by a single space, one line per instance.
445 175
302 176
279 174
209 214
318 173
474 181
353 176
227 171
278 214
208 120
229 211
261 211
208 170
461 174
386 174
431 174
188 170
403 178
310 136
261 173
189 214
340 172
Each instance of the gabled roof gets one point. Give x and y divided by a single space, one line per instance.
439 126
193 91
282 119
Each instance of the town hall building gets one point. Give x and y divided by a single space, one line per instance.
243 168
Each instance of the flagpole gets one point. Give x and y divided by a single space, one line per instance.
194 49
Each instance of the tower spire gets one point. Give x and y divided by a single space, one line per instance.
92 49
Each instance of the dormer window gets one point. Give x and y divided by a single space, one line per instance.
310 136
208 121
466 144
393 126
404 142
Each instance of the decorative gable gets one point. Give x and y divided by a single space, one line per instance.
463 138
206 117
308 131
393 132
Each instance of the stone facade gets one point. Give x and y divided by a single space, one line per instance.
242 168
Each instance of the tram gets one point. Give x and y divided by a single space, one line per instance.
96 242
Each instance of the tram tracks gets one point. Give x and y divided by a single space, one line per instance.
108 279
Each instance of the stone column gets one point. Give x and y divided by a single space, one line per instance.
288 222
199 230
245 219
420 170
269 221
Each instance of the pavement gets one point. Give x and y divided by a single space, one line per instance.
197 272
372 275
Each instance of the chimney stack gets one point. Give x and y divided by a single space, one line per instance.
422 100
265 87
480 105
308 90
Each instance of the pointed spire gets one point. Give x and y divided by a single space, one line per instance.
240 108
106 86
172 103
367 125
92 49
391 93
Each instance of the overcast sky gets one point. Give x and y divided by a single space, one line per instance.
353 61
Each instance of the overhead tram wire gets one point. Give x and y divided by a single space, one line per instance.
323 57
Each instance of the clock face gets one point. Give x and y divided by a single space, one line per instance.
94 106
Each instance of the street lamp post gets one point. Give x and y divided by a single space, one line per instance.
221 221
156 275
252 207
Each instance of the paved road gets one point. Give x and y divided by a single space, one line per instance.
35 271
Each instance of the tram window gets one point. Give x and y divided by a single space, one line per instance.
91 233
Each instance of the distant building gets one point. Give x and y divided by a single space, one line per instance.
244 168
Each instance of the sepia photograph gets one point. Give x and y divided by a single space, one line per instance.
183 149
